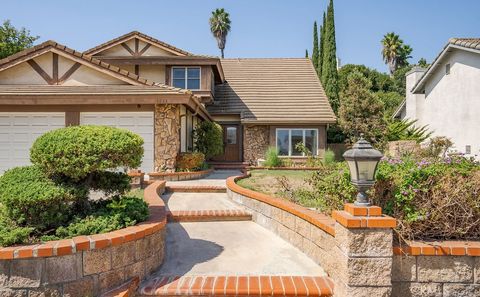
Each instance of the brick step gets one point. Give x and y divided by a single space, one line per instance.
289 286
208 215
196 189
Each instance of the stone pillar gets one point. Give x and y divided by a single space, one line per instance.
255 143
167 136
364 240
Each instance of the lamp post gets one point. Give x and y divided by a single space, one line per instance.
362 161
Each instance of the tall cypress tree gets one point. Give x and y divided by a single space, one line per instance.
306 53
329 63
320 50
315 46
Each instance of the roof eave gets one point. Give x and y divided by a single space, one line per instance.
419 87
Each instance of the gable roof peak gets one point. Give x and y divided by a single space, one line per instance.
125 37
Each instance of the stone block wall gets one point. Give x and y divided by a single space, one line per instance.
397 149
87 265
355 251
85 273
167 136
255 143
454 271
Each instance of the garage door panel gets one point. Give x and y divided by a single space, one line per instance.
140 123
18 131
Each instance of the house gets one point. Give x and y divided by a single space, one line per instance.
446 95
161 92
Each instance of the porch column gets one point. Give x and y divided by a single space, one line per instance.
167 136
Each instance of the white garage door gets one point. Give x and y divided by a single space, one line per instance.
140 123
18 131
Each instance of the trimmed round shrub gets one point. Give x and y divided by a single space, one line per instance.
77 151
30 198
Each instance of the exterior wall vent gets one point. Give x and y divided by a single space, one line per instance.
447 69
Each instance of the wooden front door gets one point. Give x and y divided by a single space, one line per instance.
231 141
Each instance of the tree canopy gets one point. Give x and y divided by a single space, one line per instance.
220 27
13 40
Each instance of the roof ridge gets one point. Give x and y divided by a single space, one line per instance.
97 48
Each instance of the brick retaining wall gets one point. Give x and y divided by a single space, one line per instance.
175 176
443 269
355 249
87 265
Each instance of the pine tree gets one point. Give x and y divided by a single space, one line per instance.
320 50
306 53
315 46
329 63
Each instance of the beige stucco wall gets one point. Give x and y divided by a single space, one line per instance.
119 50
24 74
451 104
153 72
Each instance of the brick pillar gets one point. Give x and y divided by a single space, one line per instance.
167 136
364 240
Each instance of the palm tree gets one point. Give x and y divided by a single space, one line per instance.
220 26
404 55
392 45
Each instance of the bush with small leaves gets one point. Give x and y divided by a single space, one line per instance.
78 151
31 199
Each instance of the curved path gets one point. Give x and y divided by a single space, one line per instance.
213 248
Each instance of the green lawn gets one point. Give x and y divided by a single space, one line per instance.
278 183
136 193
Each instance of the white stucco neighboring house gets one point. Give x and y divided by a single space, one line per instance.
446 95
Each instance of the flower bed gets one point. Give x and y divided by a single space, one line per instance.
174 176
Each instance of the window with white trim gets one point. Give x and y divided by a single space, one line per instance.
186 77
287 139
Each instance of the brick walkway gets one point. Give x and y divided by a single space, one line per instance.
213 248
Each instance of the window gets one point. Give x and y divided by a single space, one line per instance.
287 139
447 69
231 135
186 77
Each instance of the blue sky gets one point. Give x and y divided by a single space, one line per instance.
260 28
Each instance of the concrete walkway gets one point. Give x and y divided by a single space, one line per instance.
231 248
198 201
208 249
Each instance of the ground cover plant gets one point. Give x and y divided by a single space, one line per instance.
53 198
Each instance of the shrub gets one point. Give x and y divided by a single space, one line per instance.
431 199
190 161
437 147
328 157
312 161
271 158
31 199
77 151
110 183
435 199
331 188
11 234
107 216
208 137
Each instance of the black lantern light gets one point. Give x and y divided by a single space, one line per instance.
362 161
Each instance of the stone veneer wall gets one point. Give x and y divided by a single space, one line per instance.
167 136
397 149
87 265
436 275
358 258
255 143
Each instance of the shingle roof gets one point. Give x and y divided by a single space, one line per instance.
465 43
113 70
277 90
133 34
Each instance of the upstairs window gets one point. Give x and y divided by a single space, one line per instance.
186 77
